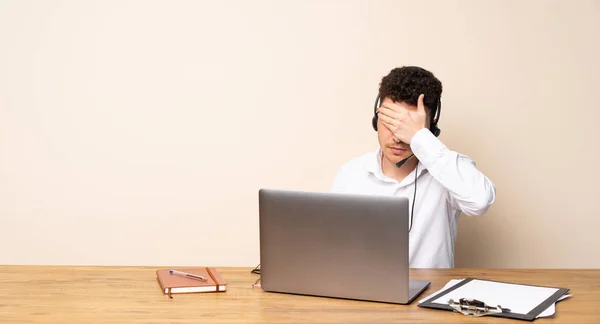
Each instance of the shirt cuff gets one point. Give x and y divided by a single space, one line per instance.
426 147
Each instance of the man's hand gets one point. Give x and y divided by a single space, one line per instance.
402 122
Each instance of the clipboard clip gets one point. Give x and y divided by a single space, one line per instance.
474 307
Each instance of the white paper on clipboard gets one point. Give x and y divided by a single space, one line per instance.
520 299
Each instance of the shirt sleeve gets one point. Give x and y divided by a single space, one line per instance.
468 188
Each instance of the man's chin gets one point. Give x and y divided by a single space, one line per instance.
395 158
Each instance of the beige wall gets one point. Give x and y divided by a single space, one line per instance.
138 132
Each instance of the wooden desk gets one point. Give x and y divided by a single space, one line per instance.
51 294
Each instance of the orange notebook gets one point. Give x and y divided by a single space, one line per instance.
171 283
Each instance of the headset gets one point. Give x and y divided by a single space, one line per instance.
433 121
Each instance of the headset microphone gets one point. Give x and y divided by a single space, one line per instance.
434 118
399 164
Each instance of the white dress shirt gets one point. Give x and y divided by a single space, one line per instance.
448 183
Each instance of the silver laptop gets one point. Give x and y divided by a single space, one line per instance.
336 245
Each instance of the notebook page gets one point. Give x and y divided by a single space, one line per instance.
520 299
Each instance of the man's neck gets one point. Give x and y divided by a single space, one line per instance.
390 169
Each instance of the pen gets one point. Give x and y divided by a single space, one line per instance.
185 274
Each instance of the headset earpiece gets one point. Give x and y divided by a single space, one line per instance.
374 120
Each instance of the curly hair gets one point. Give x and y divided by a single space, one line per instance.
405 84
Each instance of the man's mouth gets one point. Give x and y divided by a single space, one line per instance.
397 150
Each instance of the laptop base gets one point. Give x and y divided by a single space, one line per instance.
415 288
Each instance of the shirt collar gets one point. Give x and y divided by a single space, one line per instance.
373 165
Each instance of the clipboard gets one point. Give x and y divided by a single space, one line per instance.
525 302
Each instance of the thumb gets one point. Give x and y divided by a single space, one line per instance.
420 104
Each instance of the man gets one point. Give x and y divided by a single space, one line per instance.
412 162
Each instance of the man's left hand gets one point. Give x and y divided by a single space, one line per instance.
402 122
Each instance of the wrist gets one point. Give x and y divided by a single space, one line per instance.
414 134
427 147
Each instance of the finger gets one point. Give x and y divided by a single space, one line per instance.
388 112
388 120
420 104
400 115
392 106
389 126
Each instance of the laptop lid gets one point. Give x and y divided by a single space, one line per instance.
334 245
